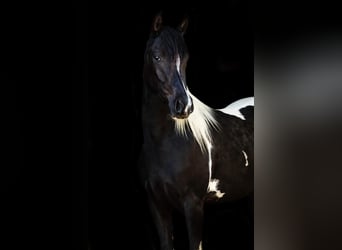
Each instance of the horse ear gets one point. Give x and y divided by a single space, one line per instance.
157 23
183 26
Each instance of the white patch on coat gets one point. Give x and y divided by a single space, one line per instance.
213 187
210 163
200 246
234 108
246 157
185 88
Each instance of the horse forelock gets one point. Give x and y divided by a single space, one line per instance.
171 40
200 124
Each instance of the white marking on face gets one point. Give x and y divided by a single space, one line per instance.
213 187
178 64
189 100
185 88
246 158
234 108
200 246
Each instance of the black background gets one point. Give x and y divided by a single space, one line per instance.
72 83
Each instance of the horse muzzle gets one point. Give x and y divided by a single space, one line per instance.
182 109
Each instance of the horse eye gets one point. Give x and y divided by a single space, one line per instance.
157 58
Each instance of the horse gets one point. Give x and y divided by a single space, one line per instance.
191 154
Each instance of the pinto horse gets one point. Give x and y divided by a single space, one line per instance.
191 153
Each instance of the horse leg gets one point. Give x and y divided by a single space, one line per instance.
193 211
162 217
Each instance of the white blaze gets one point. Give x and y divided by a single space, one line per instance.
185 88
178 64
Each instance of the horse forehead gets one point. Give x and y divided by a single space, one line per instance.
170 44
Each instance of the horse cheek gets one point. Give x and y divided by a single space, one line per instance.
160 74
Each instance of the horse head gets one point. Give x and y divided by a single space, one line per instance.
165 61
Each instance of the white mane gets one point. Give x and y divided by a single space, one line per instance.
202 120
200 123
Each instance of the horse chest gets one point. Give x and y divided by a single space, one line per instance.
172 170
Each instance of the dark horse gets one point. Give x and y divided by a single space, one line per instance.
191 153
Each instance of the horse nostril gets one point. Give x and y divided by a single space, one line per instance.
179 106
